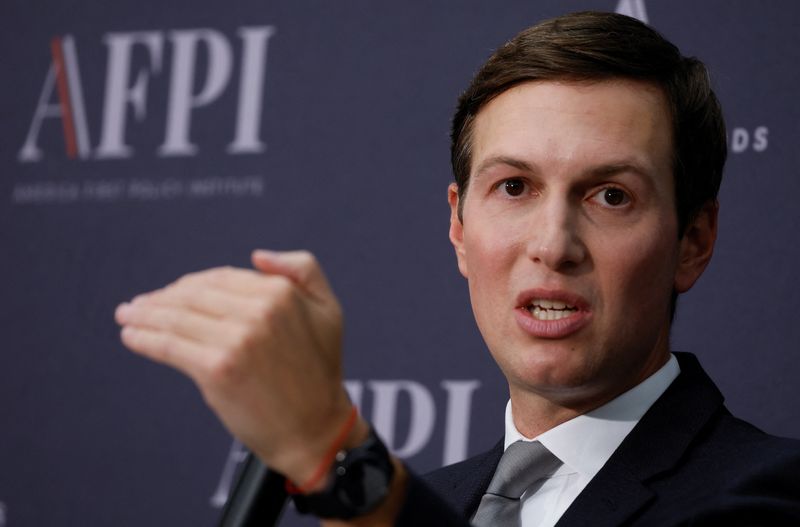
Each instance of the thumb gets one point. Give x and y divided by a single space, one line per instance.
301 267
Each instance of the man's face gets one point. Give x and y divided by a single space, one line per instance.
569 237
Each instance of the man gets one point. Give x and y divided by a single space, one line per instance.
587 154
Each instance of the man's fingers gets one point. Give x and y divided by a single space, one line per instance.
183 322
233 281
301 267
232 302
170 349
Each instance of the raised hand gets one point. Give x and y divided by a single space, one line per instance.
263 347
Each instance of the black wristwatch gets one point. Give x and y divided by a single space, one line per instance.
358 482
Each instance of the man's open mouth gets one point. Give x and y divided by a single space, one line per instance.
550 309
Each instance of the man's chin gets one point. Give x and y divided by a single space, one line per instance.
557 376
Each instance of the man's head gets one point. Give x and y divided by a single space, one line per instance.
567 219
602 46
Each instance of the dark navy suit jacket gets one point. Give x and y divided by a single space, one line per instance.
687 462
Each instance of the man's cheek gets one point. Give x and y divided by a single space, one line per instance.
645 284
498 256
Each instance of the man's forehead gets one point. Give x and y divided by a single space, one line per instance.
651 93
626 118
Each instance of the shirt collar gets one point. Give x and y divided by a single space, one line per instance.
607 425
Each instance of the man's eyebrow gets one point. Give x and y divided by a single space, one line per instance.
512 162
613 168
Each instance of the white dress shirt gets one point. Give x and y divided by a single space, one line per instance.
584 444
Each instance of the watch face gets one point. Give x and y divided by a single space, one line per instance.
360 481
364 483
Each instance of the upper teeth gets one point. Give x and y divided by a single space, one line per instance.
551 304
550 309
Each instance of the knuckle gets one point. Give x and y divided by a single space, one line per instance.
308 264
168 290
219 275
283 289
263 309
225 369
188 278
165 319
185 296
151 317
244 338
163 347
142 316
307 258
147 298
130 337
280 301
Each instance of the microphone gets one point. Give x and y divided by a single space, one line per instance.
257 498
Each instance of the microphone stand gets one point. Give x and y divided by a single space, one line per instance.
257 498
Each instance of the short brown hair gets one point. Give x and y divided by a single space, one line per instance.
591 46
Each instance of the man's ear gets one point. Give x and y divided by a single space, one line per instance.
696 247
456 229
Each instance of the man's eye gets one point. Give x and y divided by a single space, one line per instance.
612 197
514 187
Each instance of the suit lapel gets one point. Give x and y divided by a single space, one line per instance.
654 446
467 491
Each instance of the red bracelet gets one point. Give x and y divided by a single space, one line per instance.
322 469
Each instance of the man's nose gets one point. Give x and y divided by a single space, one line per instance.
555 240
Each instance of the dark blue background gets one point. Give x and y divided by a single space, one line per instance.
358 97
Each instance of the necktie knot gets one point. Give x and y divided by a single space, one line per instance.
523 464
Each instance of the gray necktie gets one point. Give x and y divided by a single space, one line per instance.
523 464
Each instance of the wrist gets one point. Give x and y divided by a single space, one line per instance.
356 437
317 450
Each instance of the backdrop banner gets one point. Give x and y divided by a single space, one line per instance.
143 140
